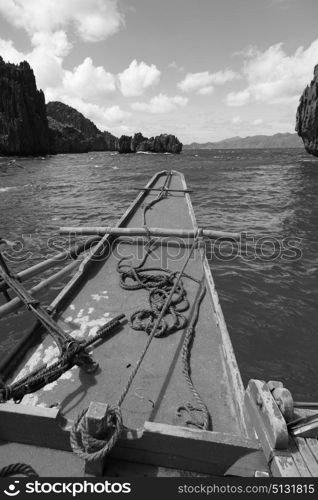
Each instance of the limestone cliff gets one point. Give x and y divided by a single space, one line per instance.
70 117
23 123
66 139
307 116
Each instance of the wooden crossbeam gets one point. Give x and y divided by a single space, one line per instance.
152 231
155 443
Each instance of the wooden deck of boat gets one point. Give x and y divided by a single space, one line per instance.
159 386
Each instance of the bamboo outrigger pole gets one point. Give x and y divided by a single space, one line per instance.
16 303
53 261
151 231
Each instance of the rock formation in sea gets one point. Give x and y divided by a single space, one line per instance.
307 116
88 136
163 143
23 122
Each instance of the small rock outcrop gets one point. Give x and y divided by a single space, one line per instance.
88 133
307 116
23 123
164 143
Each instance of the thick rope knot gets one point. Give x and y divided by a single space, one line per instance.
93 448
159 285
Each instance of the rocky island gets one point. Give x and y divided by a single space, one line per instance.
29 127
307 116
23 122
163 143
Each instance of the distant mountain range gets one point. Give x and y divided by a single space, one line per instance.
285 140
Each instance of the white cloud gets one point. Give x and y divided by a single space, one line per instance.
274 77
221 77
93 21
206 90
46 58
238 98
161 104
236 120
55 43
114 114
9 53
103 117
88 81
138 77
246 123
205 80
174 65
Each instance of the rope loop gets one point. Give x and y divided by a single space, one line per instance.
145 319
91 448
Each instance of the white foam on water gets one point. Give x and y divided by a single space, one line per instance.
13 188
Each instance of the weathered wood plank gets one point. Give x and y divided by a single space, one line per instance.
185 448
95 417
284 466
34 425
313 444
307 456
156 444
298 459
267 419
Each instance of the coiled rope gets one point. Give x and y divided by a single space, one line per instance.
90 448
18 469
159 287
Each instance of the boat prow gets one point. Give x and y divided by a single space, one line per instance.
169 368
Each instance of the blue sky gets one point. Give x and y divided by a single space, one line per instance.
203 70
